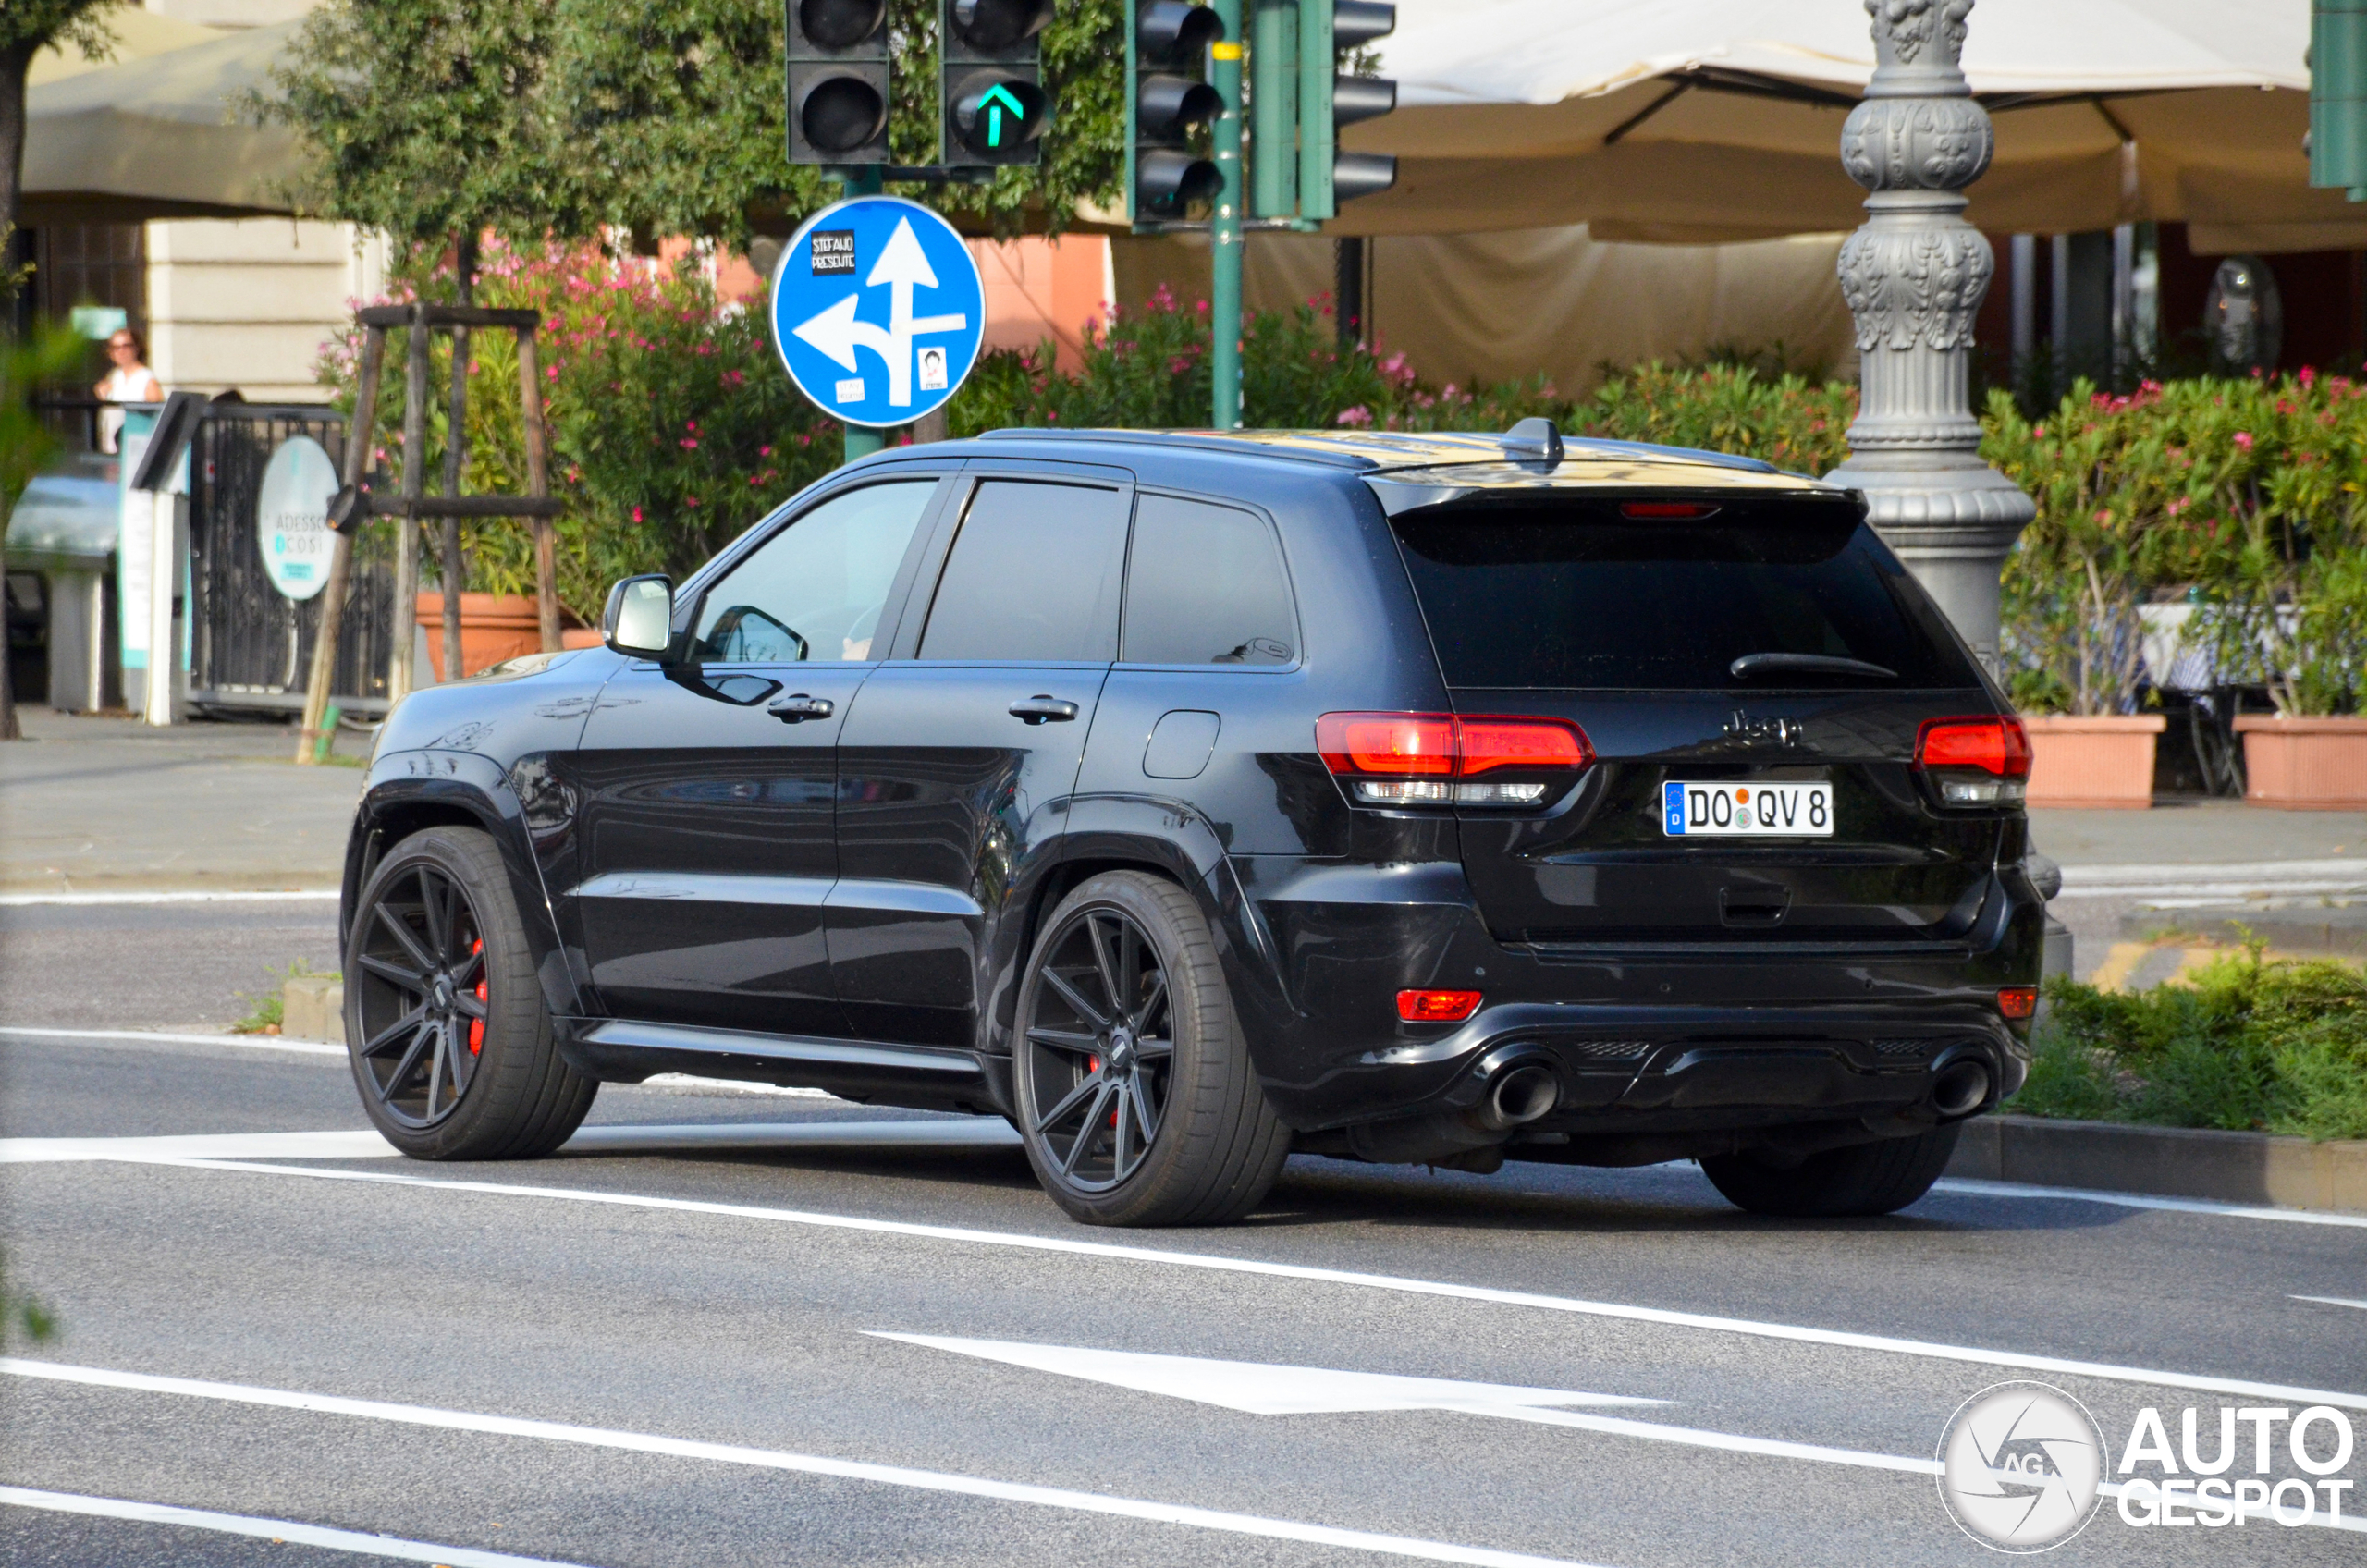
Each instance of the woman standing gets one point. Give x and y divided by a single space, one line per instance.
131 381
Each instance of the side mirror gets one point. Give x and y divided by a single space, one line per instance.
640 617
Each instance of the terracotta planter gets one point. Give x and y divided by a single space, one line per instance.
2304 764
494 627
2094 761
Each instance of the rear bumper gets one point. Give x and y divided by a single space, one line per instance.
1665 1039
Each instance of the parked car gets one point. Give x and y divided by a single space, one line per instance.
1191 799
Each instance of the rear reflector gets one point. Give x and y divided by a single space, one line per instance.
2014 1001
1680 511
1437 1007
1411 758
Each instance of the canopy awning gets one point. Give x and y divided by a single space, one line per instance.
1703 120
160 138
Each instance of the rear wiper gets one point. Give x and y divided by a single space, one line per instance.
1751 666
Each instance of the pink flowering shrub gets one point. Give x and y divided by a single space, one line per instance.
672 425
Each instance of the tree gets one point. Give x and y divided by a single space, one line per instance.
431 118
542 118
26 28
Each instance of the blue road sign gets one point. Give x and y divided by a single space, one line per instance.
878 310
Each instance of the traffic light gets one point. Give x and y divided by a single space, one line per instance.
1164 106
1327 100
993 84
838 81
2338 95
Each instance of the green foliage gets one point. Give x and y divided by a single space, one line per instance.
552 119
425 118
31 25
2248 1044
2242 494
23 1315
672 425
26 366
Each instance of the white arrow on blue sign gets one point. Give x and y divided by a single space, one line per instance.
878 310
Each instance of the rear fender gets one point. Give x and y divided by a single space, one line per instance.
1169 838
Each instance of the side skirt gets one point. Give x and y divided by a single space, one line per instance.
921 1077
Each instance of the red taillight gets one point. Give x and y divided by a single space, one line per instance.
1437 1007
1406 759
1488 744
1405 745
2018 1001
1680 511
1997 745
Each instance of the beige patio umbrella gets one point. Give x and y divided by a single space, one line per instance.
159 137
1705 120
137 34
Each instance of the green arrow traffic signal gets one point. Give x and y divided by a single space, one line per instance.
991 81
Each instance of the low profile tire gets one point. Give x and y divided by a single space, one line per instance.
444 1025
1136 1099
1862 1180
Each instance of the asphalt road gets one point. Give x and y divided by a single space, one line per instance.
665 1345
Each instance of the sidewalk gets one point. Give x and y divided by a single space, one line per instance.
91 804
2297 879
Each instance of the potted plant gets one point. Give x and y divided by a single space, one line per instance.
2284 595
2072 591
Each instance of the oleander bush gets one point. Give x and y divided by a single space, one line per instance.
2245 1043
2240 494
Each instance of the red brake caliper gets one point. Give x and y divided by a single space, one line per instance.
476 1025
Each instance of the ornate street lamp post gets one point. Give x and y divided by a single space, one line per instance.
1914 277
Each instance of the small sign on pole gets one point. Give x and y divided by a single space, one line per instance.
877 311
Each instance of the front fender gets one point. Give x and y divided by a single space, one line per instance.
408 791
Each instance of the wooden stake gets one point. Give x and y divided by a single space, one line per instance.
309 746
407 530
538 482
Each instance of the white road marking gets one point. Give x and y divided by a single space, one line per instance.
1259 1387
2336 1301
271 1529
804 1464
225 895
1658 1316
174 1147
2142 1200
243 1042
610 1138
2213 881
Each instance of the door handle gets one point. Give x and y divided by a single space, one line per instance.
798 707
1043 708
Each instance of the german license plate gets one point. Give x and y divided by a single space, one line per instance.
1745 811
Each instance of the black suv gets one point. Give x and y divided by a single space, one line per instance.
1191 799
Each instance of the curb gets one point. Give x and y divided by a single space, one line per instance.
311 1006
2182 1162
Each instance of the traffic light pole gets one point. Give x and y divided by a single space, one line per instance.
1225 230
862 440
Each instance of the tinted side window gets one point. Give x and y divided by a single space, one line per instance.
813 592
1033 577
1205 586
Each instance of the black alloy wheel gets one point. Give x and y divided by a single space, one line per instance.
1131 1084
448 1034
1101 1043
425 996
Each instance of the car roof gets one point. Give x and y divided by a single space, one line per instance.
1453 461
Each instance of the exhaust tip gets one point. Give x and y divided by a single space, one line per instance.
1961 1088
1525 1094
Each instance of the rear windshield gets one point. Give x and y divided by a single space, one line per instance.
1574 596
